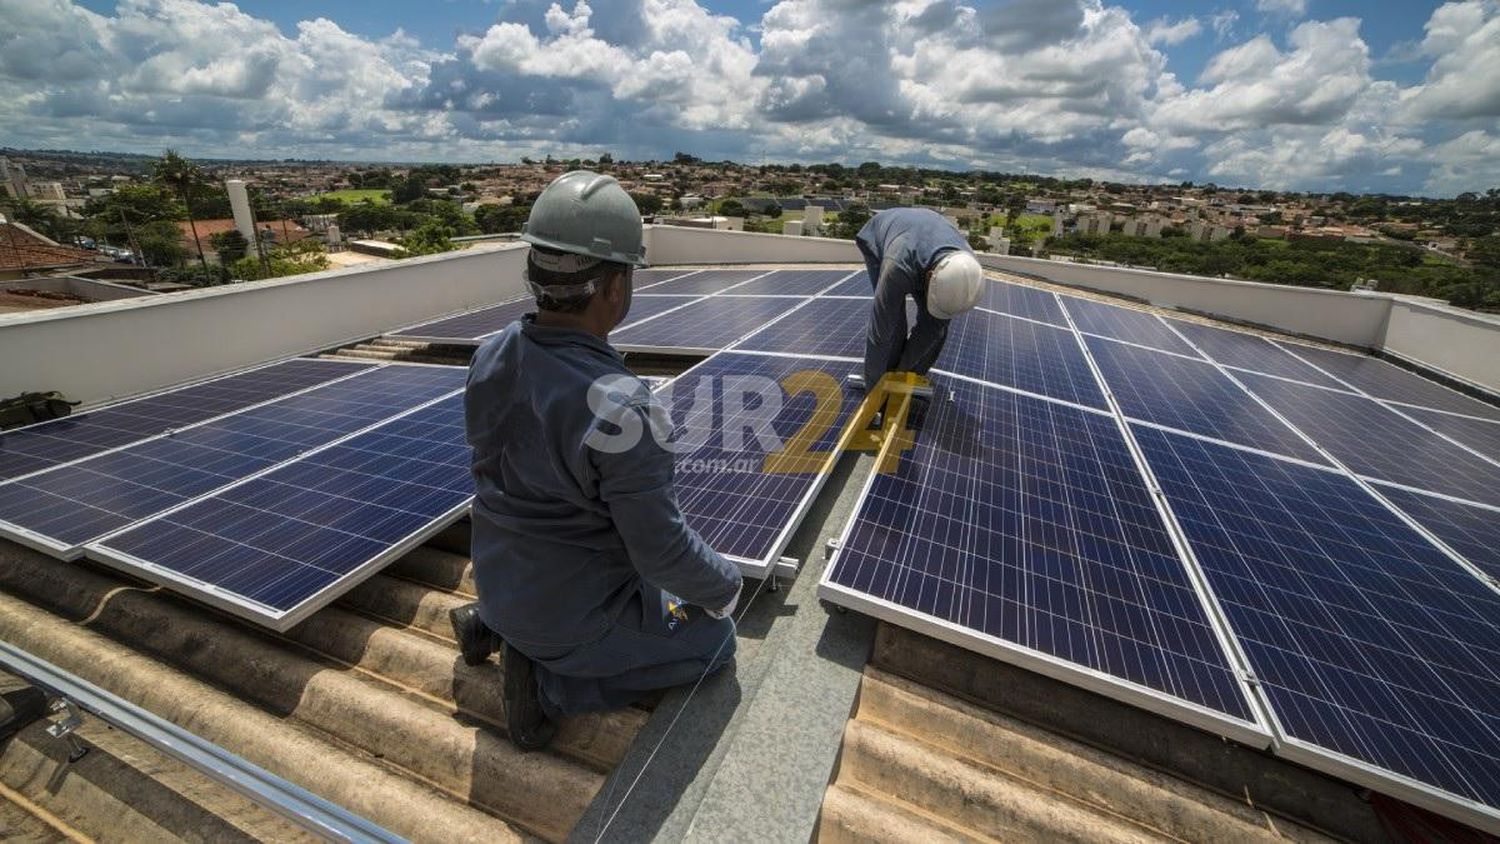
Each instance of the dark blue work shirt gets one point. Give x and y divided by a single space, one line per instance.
564 531
900 246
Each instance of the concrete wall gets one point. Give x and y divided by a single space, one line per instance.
111 349
1358 320
679 245
1460 344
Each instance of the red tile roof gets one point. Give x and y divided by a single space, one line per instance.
19 249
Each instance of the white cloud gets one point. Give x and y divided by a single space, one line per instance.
1287 8
1223 23
1463 39
1467 162
1160 31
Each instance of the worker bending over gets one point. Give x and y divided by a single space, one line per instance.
914 252
580 549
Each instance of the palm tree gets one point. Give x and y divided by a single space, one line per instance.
184 178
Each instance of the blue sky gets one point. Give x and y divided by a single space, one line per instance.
1382 95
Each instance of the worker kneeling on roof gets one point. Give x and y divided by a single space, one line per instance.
914 252
588 576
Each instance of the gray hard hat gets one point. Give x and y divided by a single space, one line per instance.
587 214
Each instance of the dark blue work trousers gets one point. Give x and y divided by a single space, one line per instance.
656 643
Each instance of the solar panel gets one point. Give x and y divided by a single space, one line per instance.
858 285
1248 351
1125 324
1021 528
741 509
1387 381
656 275
1374 442
470 328
1471 530
795 282
47 444
283 544
709 324
1379 655
1478 434
62 509
708 281
1017 353
1020 300
821 327
643 307
1193 396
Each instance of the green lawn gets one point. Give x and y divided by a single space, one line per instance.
354 196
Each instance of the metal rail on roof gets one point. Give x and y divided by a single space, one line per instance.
292 802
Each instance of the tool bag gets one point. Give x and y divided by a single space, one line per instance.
33 407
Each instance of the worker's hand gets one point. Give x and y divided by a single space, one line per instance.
729 608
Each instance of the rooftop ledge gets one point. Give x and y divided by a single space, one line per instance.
107 350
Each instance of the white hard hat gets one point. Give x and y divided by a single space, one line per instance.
956 285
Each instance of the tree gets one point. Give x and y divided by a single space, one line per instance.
160 243
498 219
648 203
413 187
429 238
183 178
732 208
230 245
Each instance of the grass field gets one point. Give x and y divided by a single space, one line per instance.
379 196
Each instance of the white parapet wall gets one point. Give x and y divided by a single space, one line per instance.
110 349
682 245
1462 345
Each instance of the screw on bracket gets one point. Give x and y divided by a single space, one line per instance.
63 729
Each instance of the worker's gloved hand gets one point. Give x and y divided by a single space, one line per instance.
729 608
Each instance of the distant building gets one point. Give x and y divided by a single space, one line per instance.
1097 223
690 201
1149 225
13 180
792 227
47 191
1206 232
812 220
999 244
1040 206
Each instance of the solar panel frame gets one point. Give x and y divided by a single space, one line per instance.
1386 382
1021 354
856 285
1251 353
470 327
1193 395
1375 442
1481 435
717 323
1271 530
198 459
1470 530
74 420
1125 325
1018 300
737 363
238 604
1252 730
704 282
807 282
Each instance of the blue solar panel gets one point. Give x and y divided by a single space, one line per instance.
740 509
1022 528
1125 324
647 306
792 282
1374 442
1367 640
280 545
859 285
41 446
707 281
656 275
1025 355
1478 434
1248 351
822 327
1192 396
1471 530
470 327
711 323
1023 301
1387 381
67 507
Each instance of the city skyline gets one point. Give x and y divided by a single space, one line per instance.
1280 94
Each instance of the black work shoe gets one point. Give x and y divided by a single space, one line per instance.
525 719
475 641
